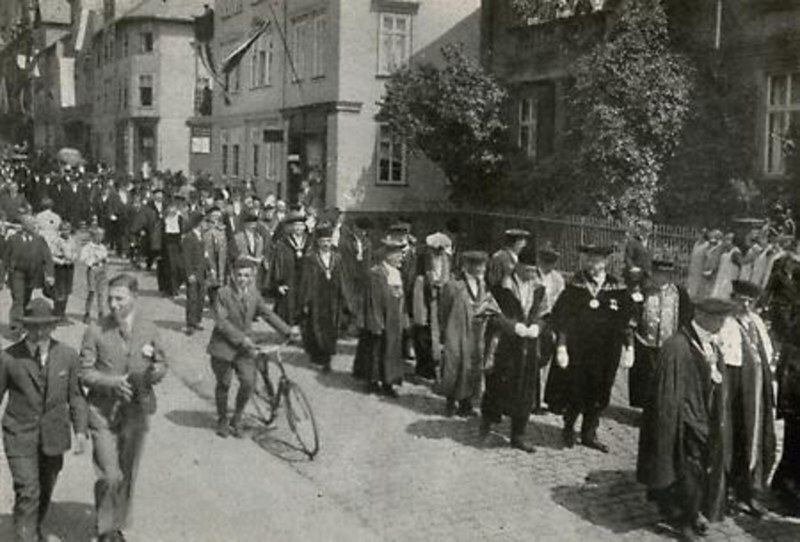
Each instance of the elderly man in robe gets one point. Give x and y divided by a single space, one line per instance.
463 299
681 443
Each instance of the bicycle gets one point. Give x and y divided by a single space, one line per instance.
267 401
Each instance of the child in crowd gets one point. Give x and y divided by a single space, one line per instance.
95 255
65 252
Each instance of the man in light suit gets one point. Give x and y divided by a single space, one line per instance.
121 360
231 346
41 377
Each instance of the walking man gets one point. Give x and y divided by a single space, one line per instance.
196 265
41 377
121 360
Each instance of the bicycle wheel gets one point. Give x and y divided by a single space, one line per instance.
264 400
301 419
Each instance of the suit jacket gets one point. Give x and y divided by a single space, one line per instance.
41 403
242 249
31 257
105 355
194 256
234 320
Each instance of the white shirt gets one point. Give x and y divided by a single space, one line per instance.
44 351
707 341
393 276
172 223
731 342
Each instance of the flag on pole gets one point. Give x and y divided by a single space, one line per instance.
235 58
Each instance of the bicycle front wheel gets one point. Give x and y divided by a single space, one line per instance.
266 407
301 419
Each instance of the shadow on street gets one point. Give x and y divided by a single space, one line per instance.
70 521
194 419
610 499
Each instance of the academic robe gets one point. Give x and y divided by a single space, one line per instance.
501 265
756 445
463 339
727 272
710 267
782 295
681 436
596 328
324 300
287 270
355 266
513 375
379 356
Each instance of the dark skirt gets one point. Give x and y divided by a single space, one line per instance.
640 376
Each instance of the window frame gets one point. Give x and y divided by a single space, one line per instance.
143 43
774 155
382 128
530 124
319 33
384 70
152 91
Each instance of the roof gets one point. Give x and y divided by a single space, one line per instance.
176 10
54 11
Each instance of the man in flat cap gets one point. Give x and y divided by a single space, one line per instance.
504 261
593 321
682 451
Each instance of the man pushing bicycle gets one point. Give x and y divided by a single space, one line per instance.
231 346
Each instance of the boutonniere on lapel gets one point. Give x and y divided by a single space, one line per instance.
613 304
637 297
149 351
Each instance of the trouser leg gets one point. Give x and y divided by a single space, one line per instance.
518 426
49 468
89 301
20 296
223 373
591 421
105 444
570 417
245 368
131 443
25 479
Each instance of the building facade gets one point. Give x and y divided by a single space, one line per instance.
754 43
303 101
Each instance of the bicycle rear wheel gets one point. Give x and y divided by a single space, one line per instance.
264 401
301 419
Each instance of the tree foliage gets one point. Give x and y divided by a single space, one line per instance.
627 107
453 115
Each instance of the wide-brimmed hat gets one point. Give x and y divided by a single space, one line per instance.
439 241
39 312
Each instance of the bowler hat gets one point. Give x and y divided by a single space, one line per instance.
549 255
39 312
715 306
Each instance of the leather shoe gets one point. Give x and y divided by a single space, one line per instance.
389 391
223 430
755 508
700 525
687 534
237 429
484 429
595 444
568 437
449 408
519 444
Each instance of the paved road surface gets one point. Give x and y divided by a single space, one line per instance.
389 470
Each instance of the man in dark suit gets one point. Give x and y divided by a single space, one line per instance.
41 377
121 361
29 264
231 346
196 265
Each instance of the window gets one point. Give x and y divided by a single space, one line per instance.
394 42
224 148
318 44
146 39
236 78
272 159
391 157
125 97
527 117
201 140
783 110
256 149
146 90
235 159
124 43
298 49
261 61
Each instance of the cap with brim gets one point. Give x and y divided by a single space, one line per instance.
400 227
745 288
438 241
213 209
715 306
363 223
595 250
528 257
243 262
390 245
39 312
474 257
548 255
295 216
663 265
250 217
269 204
516 233
324 232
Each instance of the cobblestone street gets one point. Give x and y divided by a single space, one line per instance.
397 470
